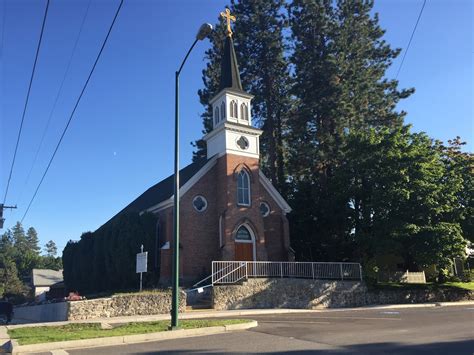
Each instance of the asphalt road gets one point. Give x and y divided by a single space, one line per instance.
438 330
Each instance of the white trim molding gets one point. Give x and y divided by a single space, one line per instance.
274 193
185 188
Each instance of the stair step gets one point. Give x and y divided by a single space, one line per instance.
198 307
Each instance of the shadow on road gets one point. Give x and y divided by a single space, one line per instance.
443 348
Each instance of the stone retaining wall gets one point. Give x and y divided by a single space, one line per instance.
146 303
308 294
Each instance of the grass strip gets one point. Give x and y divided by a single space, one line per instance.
428 286
77 331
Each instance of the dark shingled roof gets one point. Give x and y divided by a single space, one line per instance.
162 190
230 76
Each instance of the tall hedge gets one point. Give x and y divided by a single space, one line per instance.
105 260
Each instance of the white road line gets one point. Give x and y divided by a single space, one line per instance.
290 321
59 352
389 312
368 318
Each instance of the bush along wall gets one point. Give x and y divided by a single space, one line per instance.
105 260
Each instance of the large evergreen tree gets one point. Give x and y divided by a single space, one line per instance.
51 249
32 241
340 87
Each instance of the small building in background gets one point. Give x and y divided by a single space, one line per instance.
43 280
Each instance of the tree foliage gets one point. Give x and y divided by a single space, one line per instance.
360 182
19 255
106 259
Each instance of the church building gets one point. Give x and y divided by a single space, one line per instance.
229 210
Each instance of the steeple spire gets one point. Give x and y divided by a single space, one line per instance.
230 76
232 131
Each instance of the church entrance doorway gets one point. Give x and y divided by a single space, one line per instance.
244 244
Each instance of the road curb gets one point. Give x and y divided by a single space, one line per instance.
127 339
242 312
414 305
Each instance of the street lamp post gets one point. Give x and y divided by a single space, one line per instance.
203 32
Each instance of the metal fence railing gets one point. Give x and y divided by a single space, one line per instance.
402 277
229 272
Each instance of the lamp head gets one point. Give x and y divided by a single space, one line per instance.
204 31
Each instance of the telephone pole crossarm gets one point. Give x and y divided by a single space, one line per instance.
3 207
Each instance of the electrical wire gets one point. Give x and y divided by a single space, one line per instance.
74 109
55 100
411 37
27 99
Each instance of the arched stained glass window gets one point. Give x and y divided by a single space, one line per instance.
244 112
243 188
233 109
243 234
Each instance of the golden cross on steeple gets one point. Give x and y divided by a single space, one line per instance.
228 17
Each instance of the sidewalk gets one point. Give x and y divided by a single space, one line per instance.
4 340
237 313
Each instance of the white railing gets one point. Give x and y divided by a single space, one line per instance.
402 277
414 277
229 272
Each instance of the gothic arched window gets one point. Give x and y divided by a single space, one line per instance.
243 234
233 109
223 111
244 112
243 188
216 116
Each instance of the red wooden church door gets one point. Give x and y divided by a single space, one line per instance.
244 251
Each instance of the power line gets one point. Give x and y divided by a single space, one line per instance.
56 99
74 109
27 99
411 37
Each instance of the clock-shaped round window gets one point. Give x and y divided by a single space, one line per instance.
264 209
200 203
243 143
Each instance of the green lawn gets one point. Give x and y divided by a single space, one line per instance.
428 286
76 331
464 285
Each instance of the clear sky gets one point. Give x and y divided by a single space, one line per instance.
121 139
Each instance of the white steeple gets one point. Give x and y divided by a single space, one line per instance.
232 122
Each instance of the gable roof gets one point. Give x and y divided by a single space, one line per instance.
46 277
162 190
281 202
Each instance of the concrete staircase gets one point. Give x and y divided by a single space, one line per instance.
199 301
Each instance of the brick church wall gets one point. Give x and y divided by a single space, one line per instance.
199 237
229 166
276 229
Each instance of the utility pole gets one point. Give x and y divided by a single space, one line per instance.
3 207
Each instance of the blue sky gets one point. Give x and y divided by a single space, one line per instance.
121 139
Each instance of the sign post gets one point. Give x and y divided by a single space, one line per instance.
142 259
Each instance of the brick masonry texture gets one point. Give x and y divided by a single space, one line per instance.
199 231
309 294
